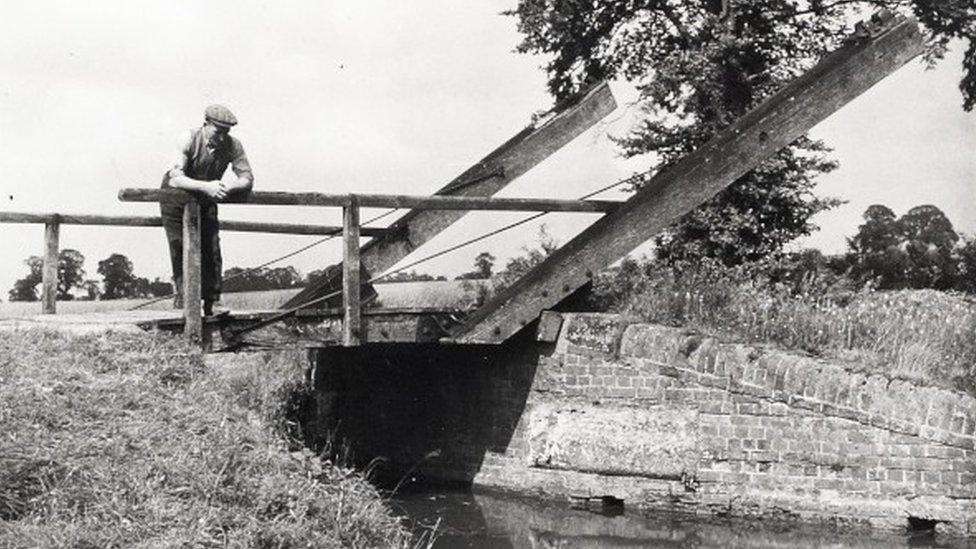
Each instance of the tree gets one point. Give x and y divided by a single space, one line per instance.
518 266
92 289
966 281
876 252
411 276
25 289
71 273
917 250
117 277
929 245
701 64
484 262
237 279
160 288
515 267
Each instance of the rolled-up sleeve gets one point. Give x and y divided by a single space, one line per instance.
180 160
239 162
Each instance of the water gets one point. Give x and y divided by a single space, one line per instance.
475 520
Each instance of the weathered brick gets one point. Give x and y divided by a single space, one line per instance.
931 477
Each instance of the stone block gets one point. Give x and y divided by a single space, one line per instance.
596 333
656 442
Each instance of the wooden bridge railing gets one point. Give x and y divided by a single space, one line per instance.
52 228
351 233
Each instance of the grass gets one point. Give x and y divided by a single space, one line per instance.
129 440
924 336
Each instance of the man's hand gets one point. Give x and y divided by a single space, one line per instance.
215 190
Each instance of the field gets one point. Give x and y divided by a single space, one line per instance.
440 294
131 440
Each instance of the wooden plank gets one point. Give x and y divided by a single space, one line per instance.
296 228
192 313
774 124
49 274
141 221
491 174
80 219
352 321
295 333
378 326
435 202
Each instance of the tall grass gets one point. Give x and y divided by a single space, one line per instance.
919 335
129 440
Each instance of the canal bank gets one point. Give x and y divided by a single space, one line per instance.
661 419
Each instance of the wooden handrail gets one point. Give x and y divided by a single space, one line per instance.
52 224
419 202
139 221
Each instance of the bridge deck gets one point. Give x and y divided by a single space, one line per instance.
312 328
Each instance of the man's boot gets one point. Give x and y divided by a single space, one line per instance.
209 308
177 293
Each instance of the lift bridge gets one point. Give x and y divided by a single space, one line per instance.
330 311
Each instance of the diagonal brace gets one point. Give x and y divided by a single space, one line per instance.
774 124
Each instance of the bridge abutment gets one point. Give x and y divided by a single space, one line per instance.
661 418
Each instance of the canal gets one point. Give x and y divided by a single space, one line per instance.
491 520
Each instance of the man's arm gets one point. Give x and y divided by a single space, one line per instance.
242 169
179 180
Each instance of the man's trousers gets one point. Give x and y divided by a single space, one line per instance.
210 259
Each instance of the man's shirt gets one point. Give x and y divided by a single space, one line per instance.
200 161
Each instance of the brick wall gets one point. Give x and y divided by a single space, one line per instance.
661 418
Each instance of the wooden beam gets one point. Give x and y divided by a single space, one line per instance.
49 274
435 202
142 221
495 171
192 314
351 322
295 228
316 328
774 124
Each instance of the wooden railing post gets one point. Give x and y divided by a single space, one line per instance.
352 314
49 276
192 319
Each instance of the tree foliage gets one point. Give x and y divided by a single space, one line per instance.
966 280
701 64
117 278
71 274
484 263
25 289
412 276
917 250
238 279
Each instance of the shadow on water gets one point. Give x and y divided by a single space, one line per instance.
489 520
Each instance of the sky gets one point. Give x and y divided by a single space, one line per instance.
370 96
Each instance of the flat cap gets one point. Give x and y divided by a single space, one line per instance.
220 116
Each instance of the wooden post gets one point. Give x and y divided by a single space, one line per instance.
192 319
49 276
352 313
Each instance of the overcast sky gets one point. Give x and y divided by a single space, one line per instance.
387 97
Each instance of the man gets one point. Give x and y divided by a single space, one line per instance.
199 167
